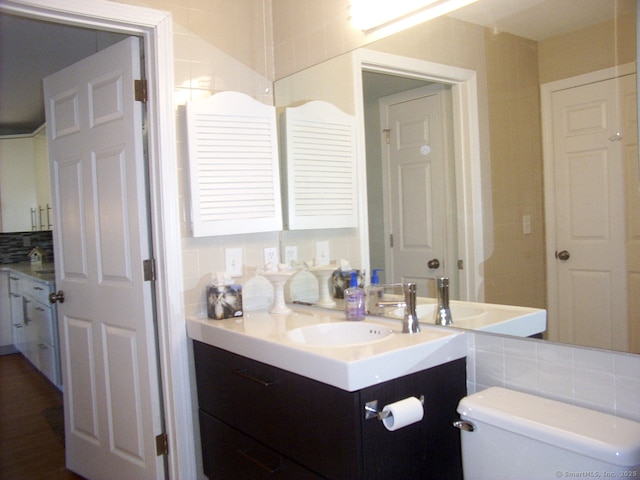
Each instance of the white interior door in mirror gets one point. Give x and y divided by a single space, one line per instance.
320 167
233 160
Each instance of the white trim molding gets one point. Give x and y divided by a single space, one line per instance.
155 28
467 156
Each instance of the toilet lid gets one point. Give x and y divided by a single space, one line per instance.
594 434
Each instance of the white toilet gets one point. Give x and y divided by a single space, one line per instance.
512 435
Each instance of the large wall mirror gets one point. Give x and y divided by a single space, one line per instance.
527 210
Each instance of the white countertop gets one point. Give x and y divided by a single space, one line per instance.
26 268
262 336
490 317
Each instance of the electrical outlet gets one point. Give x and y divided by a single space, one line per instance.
271 256
290 254
233 261
322 253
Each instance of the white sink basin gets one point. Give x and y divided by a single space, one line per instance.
426 312
311 342
339 334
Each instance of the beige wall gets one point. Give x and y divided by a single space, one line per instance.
515 272
597 47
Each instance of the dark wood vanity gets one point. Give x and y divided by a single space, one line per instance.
259 421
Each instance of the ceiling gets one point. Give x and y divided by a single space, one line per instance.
30 50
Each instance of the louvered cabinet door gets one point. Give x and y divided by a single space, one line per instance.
233 161
320 167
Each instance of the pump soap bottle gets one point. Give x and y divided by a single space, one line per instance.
374 294
354 300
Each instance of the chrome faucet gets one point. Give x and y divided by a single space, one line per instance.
410 323
443 312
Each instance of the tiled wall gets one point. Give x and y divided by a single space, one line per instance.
597 379
515 269
15 247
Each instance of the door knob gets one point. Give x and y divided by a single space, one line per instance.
56 297
433 263
563 255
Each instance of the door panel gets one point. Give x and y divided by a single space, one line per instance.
417 157
110 371
590 224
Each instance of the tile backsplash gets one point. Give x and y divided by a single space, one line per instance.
15 247
601 380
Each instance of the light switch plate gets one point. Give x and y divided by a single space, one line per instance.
526 224
233 261
290 254
271 256
322 253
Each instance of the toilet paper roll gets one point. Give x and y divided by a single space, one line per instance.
403 413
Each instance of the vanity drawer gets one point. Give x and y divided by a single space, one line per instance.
42 316
14 284
232 455
316 424
37 290
49 362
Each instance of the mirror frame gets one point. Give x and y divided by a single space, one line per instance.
467 156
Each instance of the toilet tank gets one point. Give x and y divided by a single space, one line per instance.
517 435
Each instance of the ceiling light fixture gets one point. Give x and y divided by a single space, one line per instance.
370 15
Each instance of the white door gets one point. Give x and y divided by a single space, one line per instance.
590 216
416 160
101 237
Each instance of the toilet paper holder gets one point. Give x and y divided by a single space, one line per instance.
371 410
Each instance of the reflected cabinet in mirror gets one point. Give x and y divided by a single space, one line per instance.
501 151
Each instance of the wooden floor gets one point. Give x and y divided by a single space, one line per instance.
29 447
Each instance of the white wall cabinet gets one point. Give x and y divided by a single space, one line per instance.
24 182
320 167
233 165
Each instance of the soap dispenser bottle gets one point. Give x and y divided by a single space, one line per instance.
374 294
354 300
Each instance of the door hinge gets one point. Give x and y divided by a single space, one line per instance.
391 240
149 267
387 133
162 445
460 264
140 87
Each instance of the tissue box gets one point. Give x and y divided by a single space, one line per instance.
340 280
224 301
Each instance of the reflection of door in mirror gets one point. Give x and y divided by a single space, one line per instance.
589 137
416 157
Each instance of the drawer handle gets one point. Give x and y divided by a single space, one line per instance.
242 372
246 454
